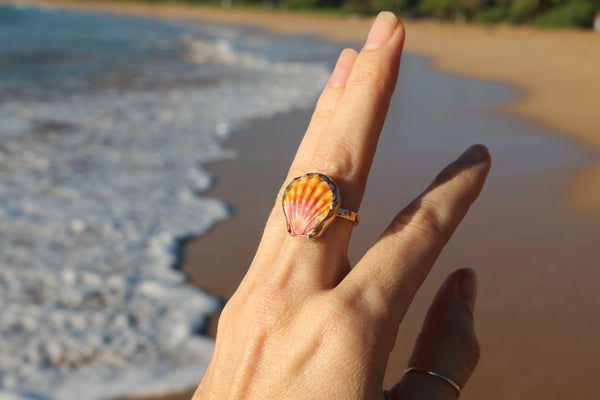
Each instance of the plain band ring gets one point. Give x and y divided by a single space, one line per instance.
437 375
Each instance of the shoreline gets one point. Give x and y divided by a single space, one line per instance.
493 287
556 70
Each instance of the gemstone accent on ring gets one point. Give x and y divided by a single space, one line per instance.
310 203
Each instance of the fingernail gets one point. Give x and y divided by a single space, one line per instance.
342 69
382 30
474 154
468 288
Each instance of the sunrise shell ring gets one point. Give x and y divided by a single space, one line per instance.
310 203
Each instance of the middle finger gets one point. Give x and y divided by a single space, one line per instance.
345 154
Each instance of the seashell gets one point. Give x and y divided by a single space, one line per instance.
310 202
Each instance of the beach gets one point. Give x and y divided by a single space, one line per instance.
551 67
530 238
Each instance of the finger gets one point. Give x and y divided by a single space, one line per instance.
345 151
447 343
389 274
275 229
326 106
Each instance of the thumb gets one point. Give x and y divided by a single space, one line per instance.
447 344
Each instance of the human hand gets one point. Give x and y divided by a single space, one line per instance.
303 324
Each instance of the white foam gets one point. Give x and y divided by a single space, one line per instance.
96 190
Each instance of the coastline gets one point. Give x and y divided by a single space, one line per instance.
299 118
556 70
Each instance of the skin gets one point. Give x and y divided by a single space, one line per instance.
303 324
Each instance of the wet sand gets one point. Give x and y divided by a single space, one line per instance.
536 254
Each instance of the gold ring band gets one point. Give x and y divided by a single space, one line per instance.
437 375
310 203
349 215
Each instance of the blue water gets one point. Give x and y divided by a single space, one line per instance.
105 123
43 47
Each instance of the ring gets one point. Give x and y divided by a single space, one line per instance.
437 375
310 203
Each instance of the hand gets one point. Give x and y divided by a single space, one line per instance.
303 324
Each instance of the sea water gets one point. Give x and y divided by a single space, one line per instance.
105 124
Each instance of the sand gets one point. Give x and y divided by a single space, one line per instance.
531 321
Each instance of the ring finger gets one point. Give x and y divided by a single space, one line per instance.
447 345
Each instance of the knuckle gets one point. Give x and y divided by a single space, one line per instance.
343 308
268 306
229 317
338 313
266 309
346 324
427 219
326 105
335 160
368 73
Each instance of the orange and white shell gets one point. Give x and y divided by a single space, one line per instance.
310 202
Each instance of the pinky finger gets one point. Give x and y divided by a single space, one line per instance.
447 344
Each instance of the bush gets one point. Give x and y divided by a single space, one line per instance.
298 4
473 7
310 4
493 15
523 10
440 8
358 6
395 6
572 14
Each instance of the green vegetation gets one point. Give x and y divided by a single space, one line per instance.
542 13
572 13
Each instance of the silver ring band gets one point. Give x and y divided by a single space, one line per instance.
437 375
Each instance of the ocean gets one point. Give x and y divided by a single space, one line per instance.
105 124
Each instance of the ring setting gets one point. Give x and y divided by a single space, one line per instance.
310 203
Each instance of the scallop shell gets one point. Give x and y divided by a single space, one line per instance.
309 203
